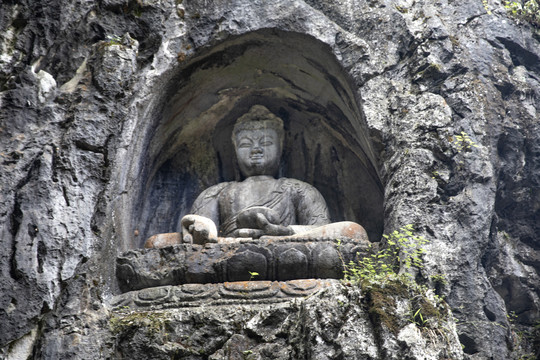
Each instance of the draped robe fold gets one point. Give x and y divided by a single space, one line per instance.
296 202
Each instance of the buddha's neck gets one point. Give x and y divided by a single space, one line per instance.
259 178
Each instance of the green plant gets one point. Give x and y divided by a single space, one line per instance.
525 338
404 251
407 247
137 11
401 9
439 282
512 317
463 142
427 309
418 319
384 277
528 11
114 40
252 275
439 279
486 6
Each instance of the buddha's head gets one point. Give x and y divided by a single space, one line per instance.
258 141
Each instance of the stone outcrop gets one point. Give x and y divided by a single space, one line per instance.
334 321
90 94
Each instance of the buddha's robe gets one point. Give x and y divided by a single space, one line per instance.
294 201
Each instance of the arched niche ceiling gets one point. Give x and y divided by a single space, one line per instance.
299 79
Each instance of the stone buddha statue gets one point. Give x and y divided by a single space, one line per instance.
261 205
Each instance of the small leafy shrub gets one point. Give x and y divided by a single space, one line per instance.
439 279
384 276
427 309
526 339
403 252
463 142
113 40
439 282
528 11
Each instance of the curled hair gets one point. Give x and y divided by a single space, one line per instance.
257 118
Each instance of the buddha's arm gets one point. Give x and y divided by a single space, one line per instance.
197 227
311 209
206 203
200 226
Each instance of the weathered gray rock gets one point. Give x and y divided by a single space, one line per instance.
334 322
88 137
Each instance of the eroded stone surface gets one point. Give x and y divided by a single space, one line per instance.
239 320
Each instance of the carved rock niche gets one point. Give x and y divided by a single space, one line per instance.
184 146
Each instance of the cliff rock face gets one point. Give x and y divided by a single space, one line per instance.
428 110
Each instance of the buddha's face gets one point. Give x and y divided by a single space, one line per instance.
258 152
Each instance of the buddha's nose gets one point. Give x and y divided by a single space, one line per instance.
256 149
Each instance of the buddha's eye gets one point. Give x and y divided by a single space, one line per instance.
244 144
266 142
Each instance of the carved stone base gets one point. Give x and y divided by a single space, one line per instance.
272 258
191 295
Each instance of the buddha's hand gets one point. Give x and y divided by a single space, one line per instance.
263 226
198 230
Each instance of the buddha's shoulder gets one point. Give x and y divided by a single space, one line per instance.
295 183
215 190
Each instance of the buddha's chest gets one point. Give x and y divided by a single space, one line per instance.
240 196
